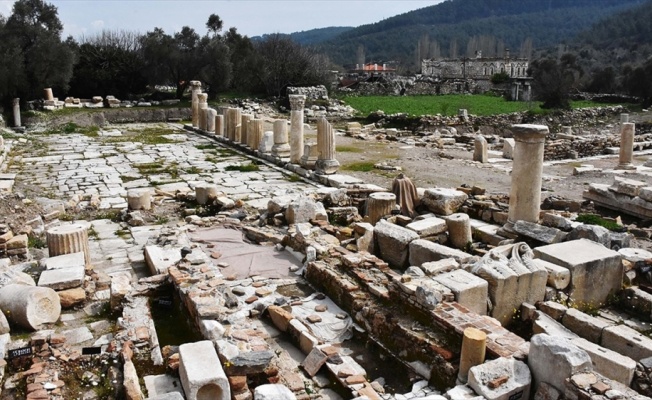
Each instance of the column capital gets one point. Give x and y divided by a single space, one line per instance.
297 102
530 133
195 85
16 101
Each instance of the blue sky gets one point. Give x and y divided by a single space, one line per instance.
251 17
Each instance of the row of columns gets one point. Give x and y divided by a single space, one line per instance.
246 129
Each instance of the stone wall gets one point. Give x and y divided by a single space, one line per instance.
478 68
110 116
311 92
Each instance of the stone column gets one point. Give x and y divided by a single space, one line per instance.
326 162
378 205
219 125
236 133
281 146
233 117
480 152
139 199
459 230
203 108
68 239
624 118
297 102
255 133
244 132
310 155
266 142
527 170
30 306
205 192
16 105
474 345
626 146
47 94
210 120
195 90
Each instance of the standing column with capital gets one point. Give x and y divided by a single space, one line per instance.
297 102
203 110
626 153
326 163
527 171
195 89
16 105
281 148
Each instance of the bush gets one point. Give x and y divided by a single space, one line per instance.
500 77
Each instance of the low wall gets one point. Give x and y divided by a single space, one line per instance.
102 117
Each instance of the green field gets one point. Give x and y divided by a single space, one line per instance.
447 104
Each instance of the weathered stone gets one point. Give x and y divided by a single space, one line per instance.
469 290
553 360
607 362
423 251
315 360
66 239
273 392
594 233
120 287
201 372
626 341
139 199
584 325
508 148
72 297
303 210
30 306
459 230
558 276
428 226
443 201
480 151
538 232
379 205
513 379
392 243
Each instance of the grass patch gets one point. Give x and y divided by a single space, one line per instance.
206 146
35 242
156 168
294 178
113 215
348 149
151 136
193 170
125 178
593 219
251 167
359 167
449 104
71 127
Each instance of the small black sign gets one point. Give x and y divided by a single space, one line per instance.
88 351
164 302
516 395
21 352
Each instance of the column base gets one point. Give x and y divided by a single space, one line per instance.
281 150
326 167
628 166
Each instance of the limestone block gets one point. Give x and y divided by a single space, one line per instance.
434 268
159 259
596 272
65 261
554 359
120 287
167 396
594 233
71 297
627 341
392 243
555 310
540 233
469 290
501 379
462 392
364 233
443 201
428 226
645 193
64 278
205 192
130 381
159 386
584 325
30 306
543 323
613 365
480 151
508 148
201 373
273 392
558 276
303 210
139 199
627 187
4 325
423 251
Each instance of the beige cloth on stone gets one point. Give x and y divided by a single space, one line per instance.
406 195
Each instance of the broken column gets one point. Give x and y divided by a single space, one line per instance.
195 90
201 372
219 125
30 306
16 109
310 156
380 204
266 143
68 239
205 192
326 162
281 146
203 108
245 137
255 133
474 345
480 152
297 102
139 199
233 117
210 117
527 170
626 146
48 95
459 230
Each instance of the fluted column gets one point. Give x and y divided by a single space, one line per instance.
219 125
68 239
255 133
203 109
326 162
244 131
281 146
195 89
297 102
233 117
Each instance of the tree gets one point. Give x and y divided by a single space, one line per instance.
32 55
553 80
214 24
244 62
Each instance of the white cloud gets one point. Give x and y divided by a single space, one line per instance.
97 24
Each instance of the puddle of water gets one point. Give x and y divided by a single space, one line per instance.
298 289
172 322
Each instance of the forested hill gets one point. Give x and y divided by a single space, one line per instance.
313 36
453 28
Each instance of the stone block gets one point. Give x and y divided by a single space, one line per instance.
443 201
540 233
613 365
280 317
627 341
594 233
315 360
508 148
159 259
501 379
543 323
423 251
273 392
584 325
65 261
596 272
61 279
554 359
201 373
438 267
558 276
428 227
392 243
462 392
627 187
71 297
303 210
553 309
469 290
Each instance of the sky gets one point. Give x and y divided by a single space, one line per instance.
250 17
